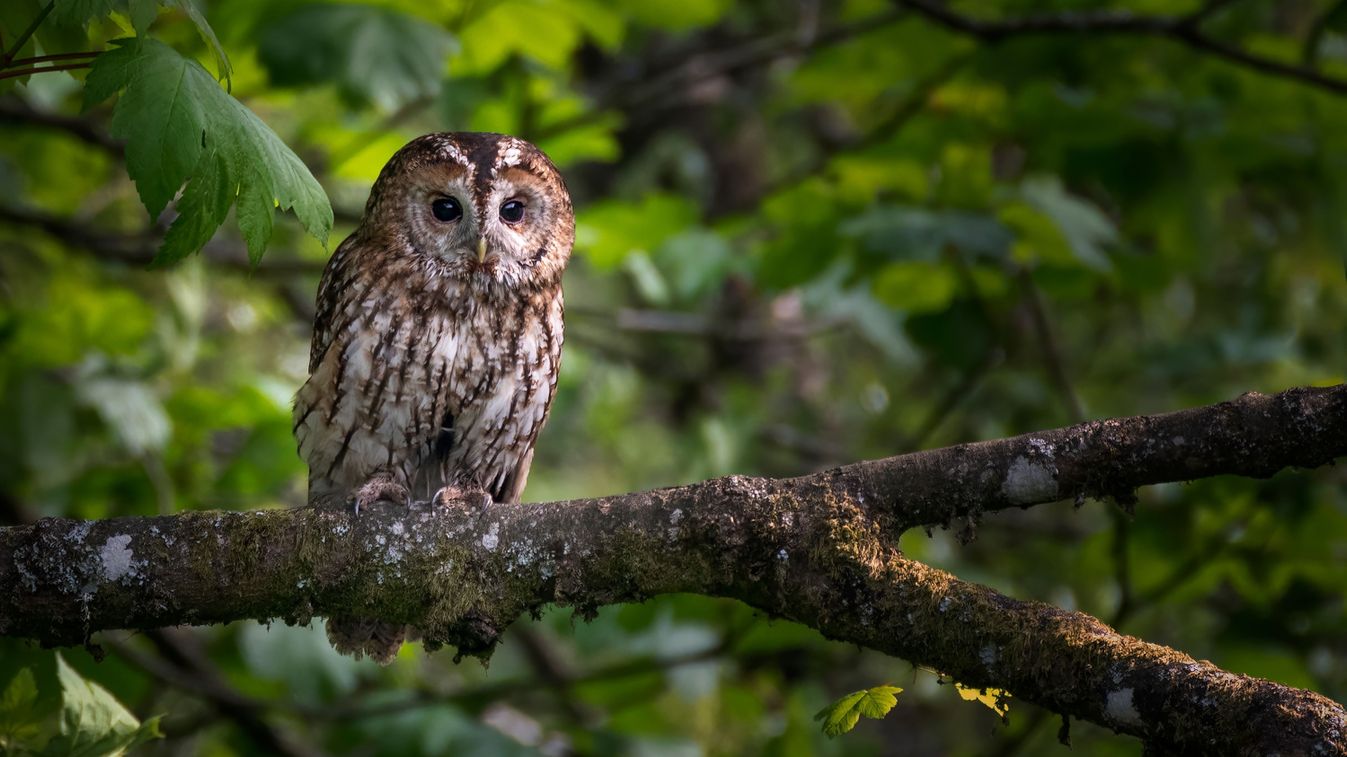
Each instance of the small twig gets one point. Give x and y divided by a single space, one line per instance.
172 669
991 357
543 659
1206 11
500 689
1180 29
908 109
1052 354
139 248
52 58
17 72
665 88
27 34
955 396
16 112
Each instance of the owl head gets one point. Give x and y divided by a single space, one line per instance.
489 209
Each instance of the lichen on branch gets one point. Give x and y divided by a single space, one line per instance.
820 550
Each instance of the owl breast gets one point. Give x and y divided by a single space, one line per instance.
426 381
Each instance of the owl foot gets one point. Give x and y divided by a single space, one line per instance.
469 498
381 489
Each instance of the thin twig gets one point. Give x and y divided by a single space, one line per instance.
139 248
1206 11
1047 340
210 687
499 689
544 661
17 72
27 34
16 112
52 58
665 89
1180 29
909 108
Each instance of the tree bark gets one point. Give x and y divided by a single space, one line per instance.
819 549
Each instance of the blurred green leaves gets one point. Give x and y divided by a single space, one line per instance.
76 717
1078 229
19 719
372 55
797 247
607 232
181 127
543 31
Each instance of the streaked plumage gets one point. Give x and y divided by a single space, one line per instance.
434 357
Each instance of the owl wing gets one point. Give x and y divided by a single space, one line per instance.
509 487
333 291
512 484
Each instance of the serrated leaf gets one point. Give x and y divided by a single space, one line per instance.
841 716
255 213
998 700
20 694
142 13
224 70
181 127
202 206
80 12
372 55
92 722
20 724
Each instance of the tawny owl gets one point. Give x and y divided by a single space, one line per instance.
438 336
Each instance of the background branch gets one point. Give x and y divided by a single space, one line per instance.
1184 30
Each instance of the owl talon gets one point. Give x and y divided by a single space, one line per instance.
471 499
381 490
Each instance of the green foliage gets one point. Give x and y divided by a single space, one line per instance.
841 716
19 721
87 721
609 232
802 240
372 55
80 13
180 126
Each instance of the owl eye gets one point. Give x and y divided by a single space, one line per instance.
512 211
446 209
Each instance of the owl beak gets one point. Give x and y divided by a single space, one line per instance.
481 250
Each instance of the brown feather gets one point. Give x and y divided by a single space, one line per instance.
430 367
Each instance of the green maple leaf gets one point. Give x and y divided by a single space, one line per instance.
19 721
92 722
841 716
79 13
180 126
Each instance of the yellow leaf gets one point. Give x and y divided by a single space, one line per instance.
997 700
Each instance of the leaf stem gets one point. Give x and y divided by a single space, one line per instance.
27 33
52 58
17 72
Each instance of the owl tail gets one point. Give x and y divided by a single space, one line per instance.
362 637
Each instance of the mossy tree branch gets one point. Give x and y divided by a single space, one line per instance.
820 550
